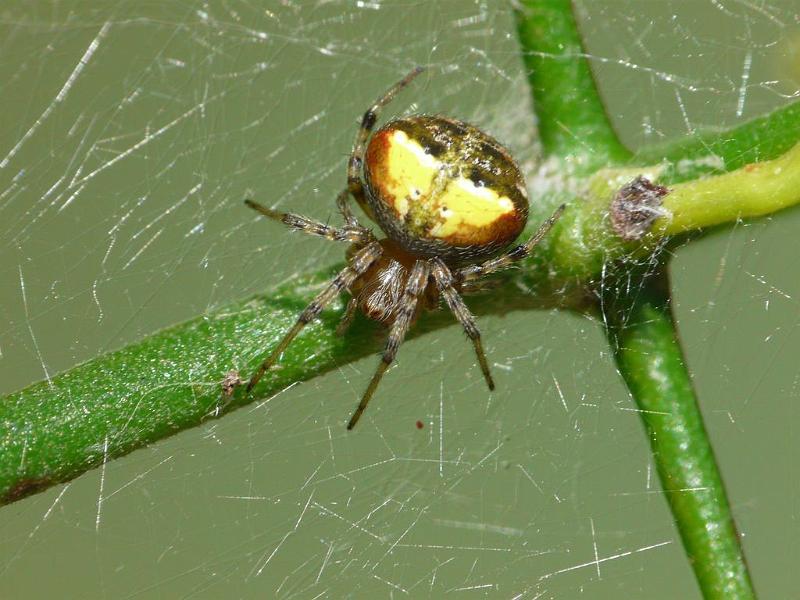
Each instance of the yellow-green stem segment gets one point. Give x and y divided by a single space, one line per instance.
753 190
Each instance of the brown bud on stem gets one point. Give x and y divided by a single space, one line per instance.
635 206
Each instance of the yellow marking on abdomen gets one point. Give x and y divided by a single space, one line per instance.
460 206
463 204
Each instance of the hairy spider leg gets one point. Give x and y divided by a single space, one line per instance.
347 318
356 267
354 184
353 234
472 272
344 208
415 287
444 281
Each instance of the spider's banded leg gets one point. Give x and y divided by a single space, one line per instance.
354 235
368 121
344 208
415 286
347 318
517 253
357 266
444 281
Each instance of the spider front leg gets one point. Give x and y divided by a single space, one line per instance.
353 233
354 185
415 287
444 281
357 266
344 208
473 272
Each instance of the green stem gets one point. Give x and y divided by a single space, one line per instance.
573 123
761 139
752 191
53 431
585 240
649 357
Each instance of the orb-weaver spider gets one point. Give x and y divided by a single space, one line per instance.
448 197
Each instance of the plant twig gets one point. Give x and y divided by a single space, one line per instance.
763 138
573 123
649 357
174 379
751 191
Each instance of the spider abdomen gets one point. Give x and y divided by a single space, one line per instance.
441 187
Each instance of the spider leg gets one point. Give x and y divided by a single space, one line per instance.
347 318
415 287
357 266
473 272
344 208
354 234
444 281
354 185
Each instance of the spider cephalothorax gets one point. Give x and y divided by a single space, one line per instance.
449 199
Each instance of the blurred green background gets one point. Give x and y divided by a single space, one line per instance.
130 133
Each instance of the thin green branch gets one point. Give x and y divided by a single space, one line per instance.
751 191
573 123
649 357
53 431
574 126
761 139
586 240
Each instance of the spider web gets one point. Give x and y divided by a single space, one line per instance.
130 134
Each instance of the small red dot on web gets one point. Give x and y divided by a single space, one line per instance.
420 424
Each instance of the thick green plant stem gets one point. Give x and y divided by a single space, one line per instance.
649 357
574 126
174 379
573 123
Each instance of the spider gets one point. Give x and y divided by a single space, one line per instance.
448 197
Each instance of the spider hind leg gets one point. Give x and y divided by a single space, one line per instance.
347 317
357 266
